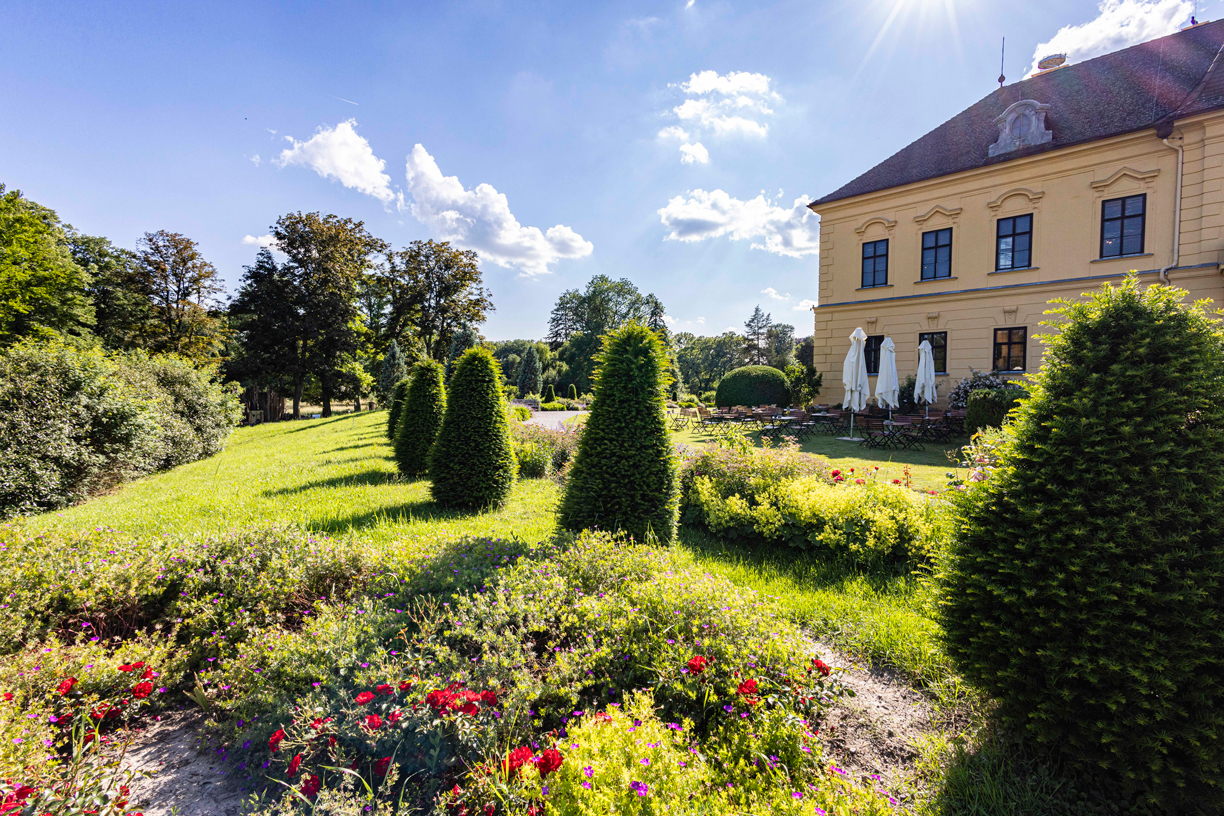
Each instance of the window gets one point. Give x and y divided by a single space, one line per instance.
937 254
1122 226
875 263
939 349
1014 246
872 352
1009 349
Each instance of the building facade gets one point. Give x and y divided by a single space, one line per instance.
1043 190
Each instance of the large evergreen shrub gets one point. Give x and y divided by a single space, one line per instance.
397 403
1085 590
624 475
472 462
420 417
529 376
753 385
550 395
573 392
988 407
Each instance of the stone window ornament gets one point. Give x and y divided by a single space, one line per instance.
1021 125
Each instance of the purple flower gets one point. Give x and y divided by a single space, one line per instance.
644 761
640 788
588 772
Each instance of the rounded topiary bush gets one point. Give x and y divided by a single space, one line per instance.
420 417
1085 587
988 407
472 462
550 395
573 392
624 475
753 385
397 403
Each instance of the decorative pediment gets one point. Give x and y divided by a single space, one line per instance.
952 215
1143 177
1031 196
1021 125
870 222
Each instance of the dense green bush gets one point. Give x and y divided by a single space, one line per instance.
420 417
1084 588
573 392
533 441
988 407
549 395
76 421
552 406
397 403
624 476
520 413
958 397
472 462
752 386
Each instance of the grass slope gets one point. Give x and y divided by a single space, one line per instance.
332 475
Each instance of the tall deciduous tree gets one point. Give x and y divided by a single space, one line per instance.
122 312
756 335
432 290
780 345
328 257
182 289
42 289
702 361
462 340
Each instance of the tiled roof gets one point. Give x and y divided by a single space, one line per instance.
1129 90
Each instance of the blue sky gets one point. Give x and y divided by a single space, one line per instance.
665 142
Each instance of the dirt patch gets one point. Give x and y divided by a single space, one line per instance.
874 733
187 776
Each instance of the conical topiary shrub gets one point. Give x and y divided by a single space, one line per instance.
624 474
420 417
573 392
393 410
1085 588
550 395
472 461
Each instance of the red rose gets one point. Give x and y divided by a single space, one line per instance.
896 481
364 697
142 690
393 717
384 689
294 764
331 742
380 767
147 675
470 709
516 759
821 667
373 722
548 762
859 481
67 685
312 785
835 474
747 687
405 686
8 696
489 698
275 740
125 668
490 809
697 664
440 700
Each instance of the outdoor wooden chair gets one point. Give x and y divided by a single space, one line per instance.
874 432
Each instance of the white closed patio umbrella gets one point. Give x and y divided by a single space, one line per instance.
924 385
854 378
887 389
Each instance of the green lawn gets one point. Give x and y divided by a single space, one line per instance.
329 475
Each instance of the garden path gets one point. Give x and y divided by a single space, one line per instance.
553 420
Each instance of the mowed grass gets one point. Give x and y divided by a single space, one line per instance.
334 476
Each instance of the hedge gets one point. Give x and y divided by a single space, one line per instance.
472 462
988 407
753 385
397 403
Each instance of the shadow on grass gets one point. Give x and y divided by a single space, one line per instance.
369 477
315 424
424 510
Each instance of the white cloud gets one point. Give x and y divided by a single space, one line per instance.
1119 24
694 153
669 320
261 241
721 105
773 293
256 159
689 4
339 153
700 321
805 305
480 219
699 215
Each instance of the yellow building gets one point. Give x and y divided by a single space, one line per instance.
1044 189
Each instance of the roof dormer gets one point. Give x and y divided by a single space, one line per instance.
1021 125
